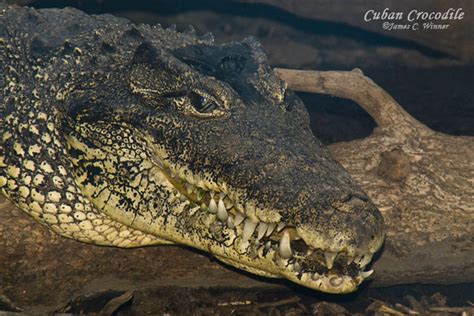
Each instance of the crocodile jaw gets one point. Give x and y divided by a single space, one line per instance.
259 242
212 217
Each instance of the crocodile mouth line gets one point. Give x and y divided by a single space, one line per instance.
273 240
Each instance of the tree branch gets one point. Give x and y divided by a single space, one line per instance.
353 85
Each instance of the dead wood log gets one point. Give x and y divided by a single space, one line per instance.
421 180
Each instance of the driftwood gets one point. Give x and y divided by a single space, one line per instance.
422 181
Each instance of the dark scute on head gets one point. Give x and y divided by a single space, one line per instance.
232 64
133 34
225 62
145 53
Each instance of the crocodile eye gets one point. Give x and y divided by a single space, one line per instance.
202 104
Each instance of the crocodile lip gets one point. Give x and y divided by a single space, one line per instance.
274 241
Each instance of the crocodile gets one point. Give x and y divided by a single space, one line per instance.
127 135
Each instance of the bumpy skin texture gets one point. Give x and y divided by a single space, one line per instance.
125 135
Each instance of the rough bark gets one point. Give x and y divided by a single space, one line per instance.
422 181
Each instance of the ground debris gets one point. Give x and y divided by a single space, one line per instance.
326 308
102 303
6 305
116 303
436 304
380 308
256 301
247 307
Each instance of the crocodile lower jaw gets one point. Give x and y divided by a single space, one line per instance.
332 272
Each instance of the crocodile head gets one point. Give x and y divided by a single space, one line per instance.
202 145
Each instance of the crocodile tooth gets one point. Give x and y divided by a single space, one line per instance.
228 204
191 180
297 267
212 206
230 222
335 281
249 228
239 218
280 226
203 207
271 228
268 244
316 276
350 259
262 228
285 248
329 257
221 211
240 208
366 274
189 188
365 260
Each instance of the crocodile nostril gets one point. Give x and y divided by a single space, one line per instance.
357 203
350 197
361 196
350 202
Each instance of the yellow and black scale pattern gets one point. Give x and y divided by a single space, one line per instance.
36 171
113 134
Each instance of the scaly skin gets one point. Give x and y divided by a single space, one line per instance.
124 135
